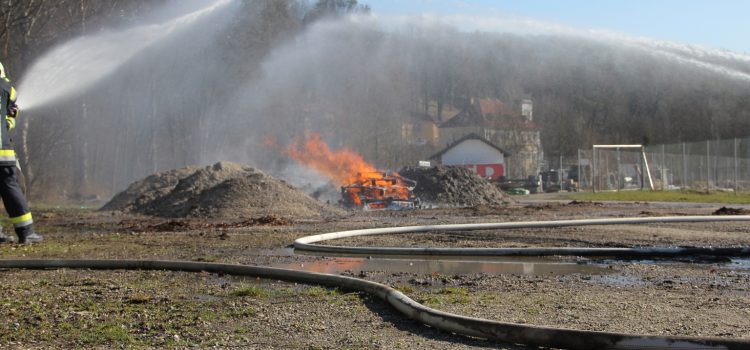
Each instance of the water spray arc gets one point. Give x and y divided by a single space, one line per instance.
80 63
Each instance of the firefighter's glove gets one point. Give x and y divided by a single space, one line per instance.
13 110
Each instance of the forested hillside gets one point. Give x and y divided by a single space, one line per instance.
242 83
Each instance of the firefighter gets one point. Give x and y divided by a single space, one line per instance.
13 198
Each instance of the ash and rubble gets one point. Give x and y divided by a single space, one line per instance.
440 186
224 190
228 190
452 186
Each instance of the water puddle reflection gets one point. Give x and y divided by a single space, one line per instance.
461 265
449 267
742 266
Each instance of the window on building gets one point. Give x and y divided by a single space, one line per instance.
407 131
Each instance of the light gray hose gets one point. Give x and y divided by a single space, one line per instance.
307 243
475 327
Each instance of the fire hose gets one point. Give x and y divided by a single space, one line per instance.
307 243
469 326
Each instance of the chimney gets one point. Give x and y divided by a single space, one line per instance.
527 110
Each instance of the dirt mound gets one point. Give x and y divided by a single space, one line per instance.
731 211
145 191
453 186
584 203
181 225
224 190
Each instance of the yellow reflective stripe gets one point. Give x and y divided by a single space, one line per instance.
20 219
7 155
11 122
24 223
12 93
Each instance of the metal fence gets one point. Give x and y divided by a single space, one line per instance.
703 166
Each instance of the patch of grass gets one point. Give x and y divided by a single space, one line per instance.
85 309
461 299
52 247
207 258
454 291
106 333
666 196
403 288
208 314
532 311
88 304
317 291
488 297
430 299
138 298
247 290
88 282
447 295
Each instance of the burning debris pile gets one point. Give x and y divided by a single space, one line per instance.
380 190
224 190
362 185
453 186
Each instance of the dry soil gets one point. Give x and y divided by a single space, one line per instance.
63 309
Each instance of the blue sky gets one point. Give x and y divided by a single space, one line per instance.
720 24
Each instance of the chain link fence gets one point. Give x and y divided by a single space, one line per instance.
559 173
719 165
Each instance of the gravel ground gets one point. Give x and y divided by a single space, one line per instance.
63 309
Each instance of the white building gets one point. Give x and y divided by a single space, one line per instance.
513 129
476 153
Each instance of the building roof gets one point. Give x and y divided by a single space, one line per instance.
464 118
422 117
491 113
492 107
471 136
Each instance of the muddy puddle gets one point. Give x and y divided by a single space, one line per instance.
741 265
442 266
461 265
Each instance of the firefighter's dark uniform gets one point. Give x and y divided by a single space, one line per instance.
13 198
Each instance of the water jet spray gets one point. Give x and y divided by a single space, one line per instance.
80 63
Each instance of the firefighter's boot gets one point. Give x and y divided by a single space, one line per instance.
26 235
5 238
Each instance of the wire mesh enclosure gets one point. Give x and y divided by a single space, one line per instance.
702 166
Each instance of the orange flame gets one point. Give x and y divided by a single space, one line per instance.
343 166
